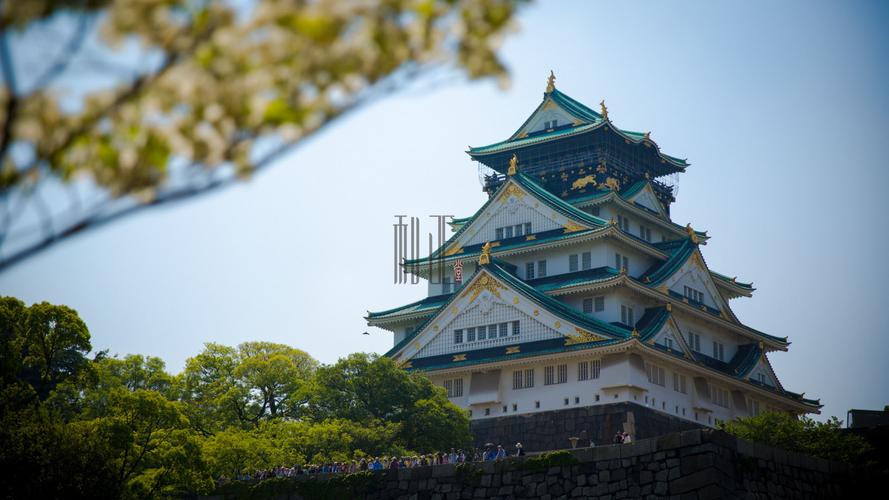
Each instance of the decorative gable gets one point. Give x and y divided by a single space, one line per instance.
646 198
547 117
511 207
489 303
670 337
763 374
693 282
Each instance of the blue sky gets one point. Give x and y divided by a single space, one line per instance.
781 107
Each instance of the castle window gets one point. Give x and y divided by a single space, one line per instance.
517 380
621 262
487 411
588 305
470 334
458 336
548 372
761 377
518 230
655 374
693 295
446 285
454 387
482 332
515 328
627 315
573 263
498 233
515 407
507 232
504 408
694 341
679 383
718 351
504 329
577 400
529 271
529 377
541 268
527 228
645 233
563 374
719 396
566 401
536 404
668 342
623 223
586 261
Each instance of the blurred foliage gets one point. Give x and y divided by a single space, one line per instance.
102 427
804 435
217 79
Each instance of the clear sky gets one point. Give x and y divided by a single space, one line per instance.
781 107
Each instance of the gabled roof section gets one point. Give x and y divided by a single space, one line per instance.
642 195
679 250
584 120
519 185
581 114
502 277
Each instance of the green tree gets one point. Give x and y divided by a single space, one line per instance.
369 388
219 89
804 435
225 386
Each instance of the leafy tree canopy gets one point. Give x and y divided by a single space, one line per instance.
208 91
804 435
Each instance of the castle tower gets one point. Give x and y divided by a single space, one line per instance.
581 293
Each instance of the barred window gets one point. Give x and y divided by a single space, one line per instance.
586 260
516 329
679 383
563 374
587 370
458 336
588 306
529 271
529 377
454 387
517 379
572 263
548 372
719 396
655 374
504 329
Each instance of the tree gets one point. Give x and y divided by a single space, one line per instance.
370 388
225 386
219 90
804 435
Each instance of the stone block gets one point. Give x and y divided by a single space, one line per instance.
606 452
692 437
446 470
646 477
668 441
694 481
636 448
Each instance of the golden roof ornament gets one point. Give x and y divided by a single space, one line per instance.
761 345
691 233
604 110
551 82
635 332
513 165
648 135
485 257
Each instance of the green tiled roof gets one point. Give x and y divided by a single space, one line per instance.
590 120
725 278
427 304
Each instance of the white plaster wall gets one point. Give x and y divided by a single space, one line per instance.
510 213
616 371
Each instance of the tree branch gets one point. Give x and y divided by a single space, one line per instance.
8 71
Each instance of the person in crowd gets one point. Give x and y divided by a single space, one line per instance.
501 453
618 438
519 452
627 438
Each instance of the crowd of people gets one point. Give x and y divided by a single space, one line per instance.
489 452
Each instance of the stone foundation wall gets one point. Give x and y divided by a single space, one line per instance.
550 430
695 464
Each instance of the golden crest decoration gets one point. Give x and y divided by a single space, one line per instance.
582 337
485 282
583 182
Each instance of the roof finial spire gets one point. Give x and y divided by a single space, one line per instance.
604 110
513 165
551 82
485 257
